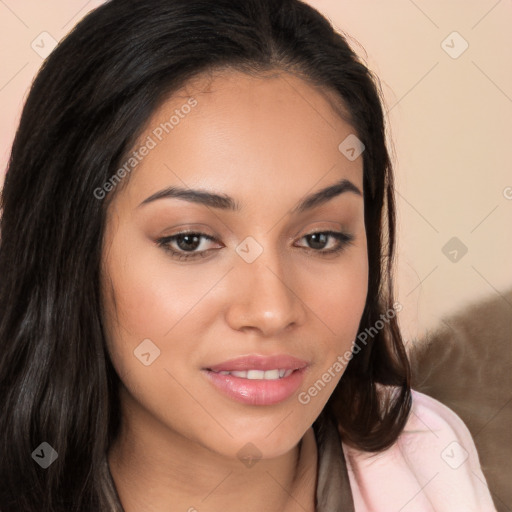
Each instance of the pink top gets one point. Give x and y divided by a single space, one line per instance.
432 467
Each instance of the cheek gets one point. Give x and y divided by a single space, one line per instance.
339 305
151 295
341 299
158 301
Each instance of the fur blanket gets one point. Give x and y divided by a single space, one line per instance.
466 364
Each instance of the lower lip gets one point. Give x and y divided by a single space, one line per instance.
257 391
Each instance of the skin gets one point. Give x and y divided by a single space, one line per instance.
267 142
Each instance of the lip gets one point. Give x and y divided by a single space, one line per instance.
258 391
258 362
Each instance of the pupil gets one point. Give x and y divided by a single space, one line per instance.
318 235
188 237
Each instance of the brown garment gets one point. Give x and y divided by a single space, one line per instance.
333 493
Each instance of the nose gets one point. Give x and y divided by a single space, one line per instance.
265 296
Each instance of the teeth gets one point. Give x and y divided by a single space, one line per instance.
259 374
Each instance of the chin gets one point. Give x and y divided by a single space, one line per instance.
266 441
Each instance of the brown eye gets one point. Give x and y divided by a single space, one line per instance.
187 244
319 239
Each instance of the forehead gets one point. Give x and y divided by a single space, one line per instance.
244 134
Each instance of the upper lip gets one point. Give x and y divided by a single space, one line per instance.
258 362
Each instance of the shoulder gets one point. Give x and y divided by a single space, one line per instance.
428 415
433 466
434 435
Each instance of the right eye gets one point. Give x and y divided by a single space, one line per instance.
184 241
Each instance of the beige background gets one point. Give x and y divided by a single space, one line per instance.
450 120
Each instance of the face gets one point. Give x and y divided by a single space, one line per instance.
253 277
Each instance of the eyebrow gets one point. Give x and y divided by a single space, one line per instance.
225 202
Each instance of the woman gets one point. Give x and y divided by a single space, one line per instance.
261 367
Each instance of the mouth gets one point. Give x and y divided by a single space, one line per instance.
258 380
257 363
275 374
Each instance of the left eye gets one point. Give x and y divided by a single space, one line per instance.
319 237
188 242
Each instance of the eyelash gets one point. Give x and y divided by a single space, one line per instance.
344 240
